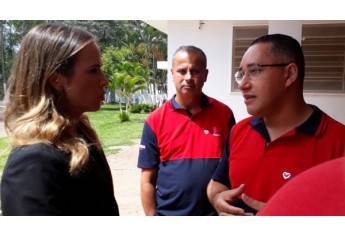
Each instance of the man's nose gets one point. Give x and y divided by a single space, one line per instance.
244 82
188 75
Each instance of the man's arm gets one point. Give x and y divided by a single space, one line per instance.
148 190
252 203
148 161
213 189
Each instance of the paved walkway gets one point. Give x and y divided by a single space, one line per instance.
126 178
2 129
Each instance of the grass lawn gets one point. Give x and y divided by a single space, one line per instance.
110 130
4 151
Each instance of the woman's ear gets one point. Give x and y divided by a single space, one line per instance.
291 74
54 81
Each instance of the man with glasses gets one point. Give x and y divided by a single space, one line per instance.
283 137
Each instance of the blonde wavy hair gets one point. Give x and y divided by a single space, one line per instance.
32 112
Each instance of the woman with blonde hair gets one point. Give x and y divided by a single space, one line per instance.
57 165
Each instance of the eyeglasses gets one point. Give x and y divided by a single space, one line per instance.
254 70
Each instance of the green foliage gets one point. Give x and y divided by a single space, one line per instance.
148 108
123 116
111 131
120 40
108 32
4 151
11 33
128 79
135 108
113 56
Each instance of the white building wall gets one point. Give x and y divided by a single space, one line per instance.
215 38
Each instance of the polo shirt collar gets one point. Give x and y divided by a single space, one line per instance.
205 102
310 126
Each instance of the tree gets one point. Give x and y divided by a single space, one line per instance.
11 35
108 32
113 56
120 40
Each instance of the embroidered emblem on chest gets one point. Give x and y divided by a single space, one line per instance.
214 132
286 175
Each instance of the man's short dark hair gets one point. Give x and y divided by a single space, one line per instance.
287 48
191 50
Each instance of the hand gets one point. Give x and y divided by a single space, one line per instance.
255 204
223 201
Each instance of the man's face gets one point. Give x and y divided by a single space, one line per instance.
263 88
189 74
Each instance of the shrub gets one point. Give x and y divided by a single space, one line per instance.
123 116
135 108
147 108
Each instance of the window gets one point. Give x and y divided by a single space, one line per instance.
242 37
324 51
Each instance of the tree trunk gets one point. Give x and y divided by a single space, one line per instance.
120 104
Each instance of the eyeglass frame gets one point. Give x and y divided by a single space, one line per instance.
257 70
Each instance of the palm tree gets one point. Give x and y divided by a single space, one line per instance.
128 79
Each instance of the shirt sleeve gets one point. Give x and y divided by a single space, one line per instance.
32 182
148 149
232 122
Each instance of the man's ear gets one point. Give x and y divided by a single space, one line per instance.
206 74
54 81
291 74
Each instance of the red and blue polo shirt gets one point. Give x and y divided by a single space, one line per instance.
186 149
264 166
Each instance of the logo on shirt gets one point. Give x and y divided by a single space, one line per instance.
141 147
214 132
286 175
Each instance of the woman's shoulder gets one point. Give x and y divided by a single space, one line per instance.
38 153
38 148
35 180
